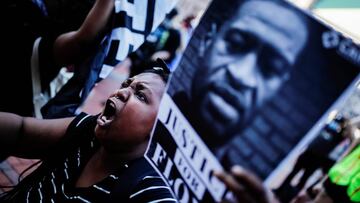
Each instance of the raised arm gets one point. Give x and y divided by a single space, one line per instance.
29 137
72 46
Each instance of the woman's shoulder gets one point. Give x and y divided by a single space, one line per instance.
83 120
142 184
79 134
152 188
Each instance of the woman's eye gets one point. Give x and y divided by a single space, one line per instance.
141 96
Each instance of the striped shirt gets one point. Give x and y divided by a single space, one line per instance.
58 183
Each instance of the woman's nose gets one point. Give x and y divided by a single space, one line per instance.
123 94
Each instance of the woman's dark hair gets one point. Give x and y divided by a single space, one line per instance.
160 68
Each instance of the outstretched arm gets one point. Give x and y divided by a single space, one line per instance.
29 137
72 46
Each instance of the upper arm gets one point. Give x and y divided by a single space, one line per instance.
73 46
38 136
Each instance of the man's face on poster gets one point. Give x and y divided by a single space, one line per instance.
245 64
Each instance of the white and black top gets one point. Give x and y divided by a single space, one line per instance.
137 181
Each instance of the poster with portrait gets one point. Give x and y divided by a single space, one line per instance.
254 80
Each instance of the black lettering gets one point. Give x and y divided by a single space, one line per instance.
168 118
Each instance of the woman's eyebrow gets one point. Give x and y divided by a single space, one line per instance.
143 86
127 81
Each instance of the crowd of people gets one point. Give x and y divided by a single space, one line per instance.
100 157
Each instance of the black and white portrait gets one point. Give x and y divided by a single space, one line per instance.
255 78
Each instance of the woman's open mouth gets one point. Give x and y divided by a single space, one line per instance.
108 113
110 109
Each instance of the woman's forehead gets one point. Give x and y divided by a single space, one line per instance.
152 80
148 78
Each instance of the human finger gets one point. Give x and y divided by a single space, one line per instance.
251 182
238 190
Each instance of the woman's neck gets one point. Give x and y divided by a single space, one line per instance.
102 164
111 161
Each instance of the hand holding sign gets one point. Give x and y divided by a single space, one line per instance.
245 186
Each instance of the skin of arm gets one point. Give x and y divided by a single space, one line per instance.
245 186
28 137
72 46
